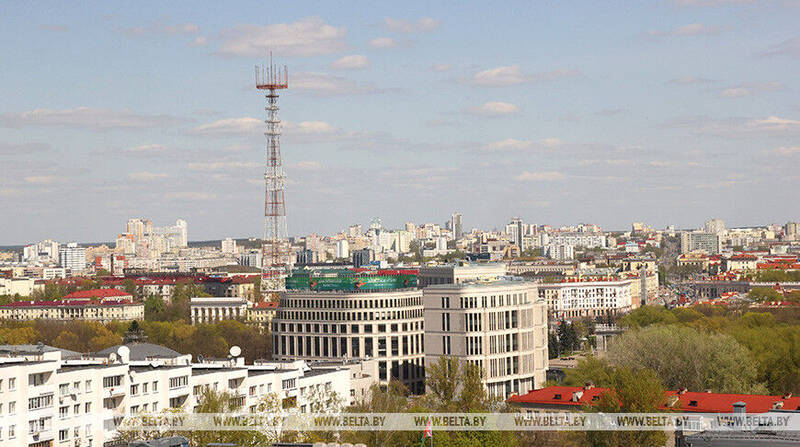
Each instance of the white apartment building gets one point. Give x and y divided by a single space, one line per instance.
386 325
461 272
499 326
228 245
217 308
560 252
342 249
588 240
18 286
710 243
72 257
577 299
56 398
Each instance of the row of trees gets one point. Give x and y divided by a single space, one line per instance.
209 340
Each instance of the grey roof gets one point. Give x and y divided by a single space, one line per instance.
34 349
143 351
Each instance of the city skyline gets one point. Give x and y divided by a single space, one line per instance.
574 116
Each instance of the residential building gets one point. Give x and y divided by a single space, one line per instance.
342 249
710 243
498 326
73 258
578 239
320 326
363 257
214 309
579 298
461 272
228 245
560 252
516 230
715 226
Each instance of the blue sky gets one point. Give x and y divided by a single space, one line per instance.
669 112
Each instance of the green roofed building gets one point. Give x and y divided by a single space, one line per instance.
351 279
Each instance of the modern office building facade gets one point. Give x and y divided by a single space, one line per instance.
580 299
461 272
319 326
499 326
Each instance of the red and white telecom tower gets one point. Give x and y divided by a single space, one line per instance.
275 263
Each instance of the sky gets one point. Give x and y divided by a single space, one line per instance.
667 112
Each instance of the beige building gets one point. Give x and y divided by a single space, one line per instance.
578 299
458 273
499 326
102 310
386 325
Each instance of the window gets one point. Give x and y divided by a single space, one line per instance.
76 409
87 408
155 386
89 385
63 412
112 381
12 407
288 384
36 403
155 407
63 435
88 430
134 390
63 389
12 429
12 385
177 382
135 409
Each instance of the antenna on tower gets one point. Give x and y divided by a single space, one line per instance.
275 256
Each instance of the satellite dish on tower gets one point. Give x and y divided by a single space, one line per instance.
235 351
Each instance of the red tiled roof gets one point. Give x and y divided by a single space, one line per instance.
98 293
688 401
266 305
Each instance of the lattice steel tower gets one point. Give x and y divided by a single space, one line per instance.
275 264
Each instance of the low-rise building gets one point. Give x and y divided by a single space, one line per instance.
217 308
101 305
500 326
581 298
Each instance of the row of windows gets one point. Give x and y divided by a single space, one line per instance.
474 302
346 303
64 389
314 346
63 412
316 328
36 403
349 316
177 382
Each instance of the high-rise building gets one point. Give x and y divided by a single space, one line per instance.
714 226
342 249
516 229
228 246
710 243
561 252
456 226
355 231
363 257
72 257
500 327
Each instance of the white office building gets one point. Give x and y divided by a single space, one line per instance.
461 272
499 326
319 326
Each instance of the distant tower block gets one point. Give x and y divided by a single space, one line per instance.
275 264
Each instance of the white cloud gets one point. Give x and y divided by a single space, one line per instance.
161 28
749 89
384 42
323 84
787 150
309 165
441 67
222 165
513 75
514 144
422 25
41 179
693 29
309 128
229 126
23 148
87 118
189 195
145 149
353 62
307 37
199 41
494 108
543 176
775 123
711 2
145 176
686 80
771 126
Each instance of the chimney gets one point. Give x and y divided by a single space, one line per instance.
739 407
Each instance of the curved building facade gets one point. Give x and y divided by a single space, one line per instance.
386 326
